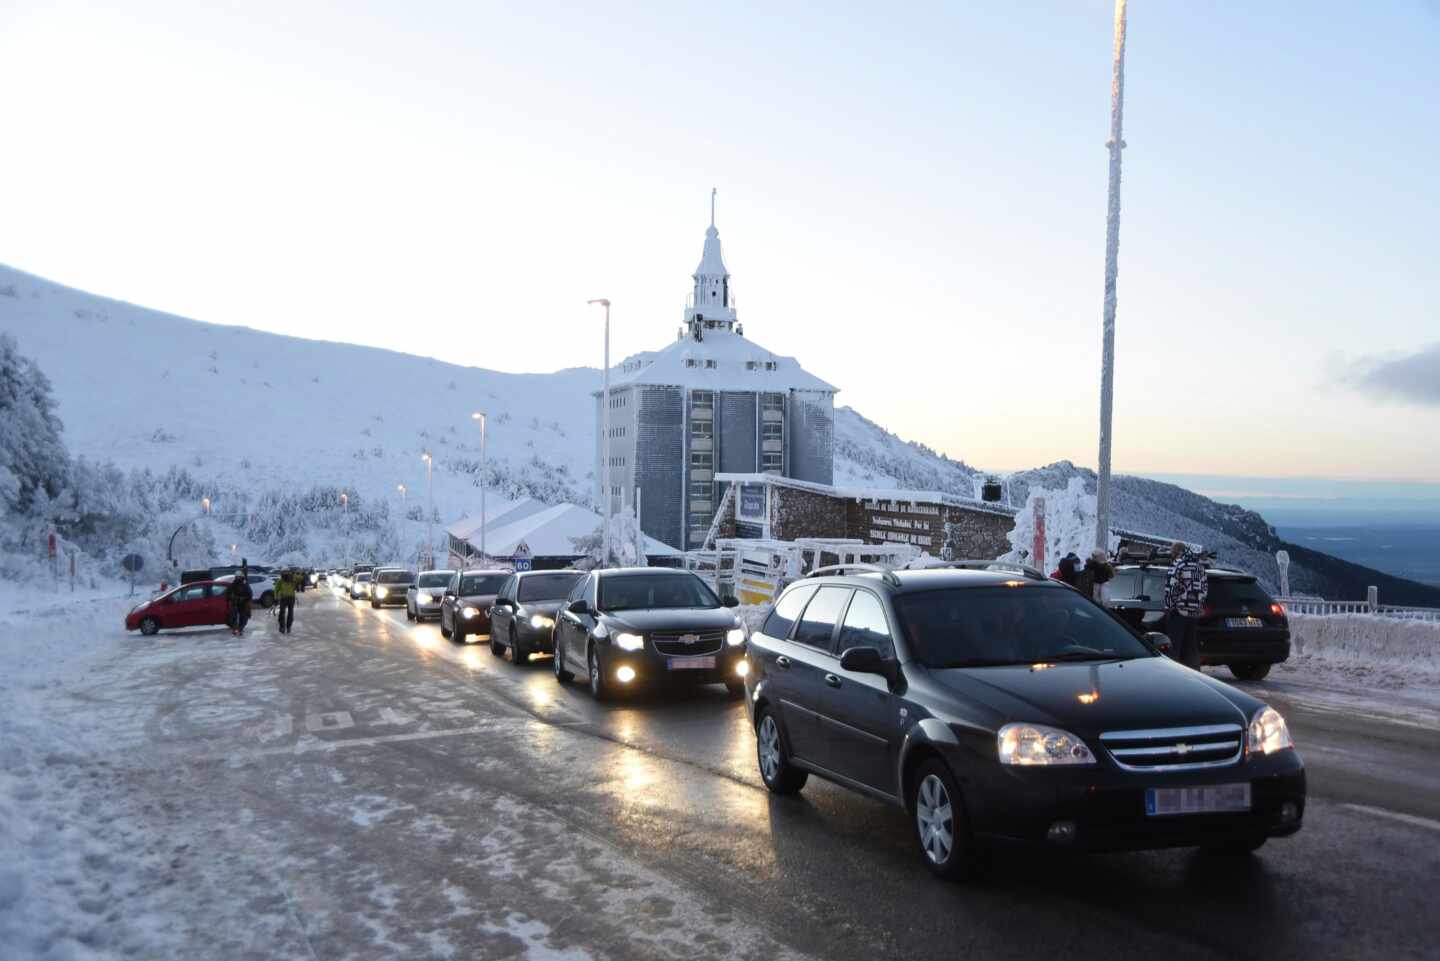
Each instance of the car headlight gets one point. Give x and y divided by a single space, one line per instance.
735 637
469 611
381 592
540 622
423 597
629 642
1036 744
1268 732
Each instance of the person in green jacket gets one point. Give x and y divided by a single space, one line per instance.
285 600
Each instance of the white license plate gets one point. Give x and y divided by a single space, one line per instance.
692 663
1211 799
1244 622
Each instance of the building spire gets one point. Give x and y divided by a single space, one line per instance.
712 206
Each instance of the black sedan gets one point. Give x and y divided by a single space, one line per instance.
523 616
648 625
996 706
390 587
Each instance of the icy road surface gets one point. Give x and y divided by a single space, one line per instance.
365 789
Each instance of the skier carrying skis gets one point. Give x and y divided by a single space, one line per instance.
239 595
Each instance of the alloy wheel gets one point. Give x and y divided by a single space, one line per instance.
768 748
935 819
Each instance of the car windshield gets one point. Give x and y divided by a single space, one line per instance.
481 583
548 587
363 576
395 577
631 592
436 580
988 626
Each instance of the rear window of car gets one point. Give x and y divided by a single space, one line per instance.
1138 585
548 587
783 617
436 580
1227 592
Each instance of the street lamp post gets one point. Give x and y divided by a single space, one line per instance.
345 506
402 489
1112 256
605 439
484 518
429 508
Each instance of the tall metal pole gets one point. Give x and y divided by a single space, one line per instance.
484 517
605 441
429 510
1112 257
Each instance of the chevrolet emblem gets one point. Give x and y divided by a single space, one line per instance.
1182 749
689 639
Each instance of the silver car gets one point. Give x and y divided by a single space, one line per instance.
423 598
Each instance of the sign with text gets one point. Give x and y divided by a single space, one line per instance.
752 503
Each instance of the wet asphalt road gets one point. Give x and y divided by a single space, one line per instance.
663 788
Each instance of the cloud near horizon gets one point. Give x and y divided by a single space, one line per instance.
1413 377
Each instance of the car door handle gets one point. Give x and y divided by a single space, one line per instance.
782 661
832 680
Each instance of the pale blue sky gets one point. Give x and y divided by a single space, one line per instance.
911 199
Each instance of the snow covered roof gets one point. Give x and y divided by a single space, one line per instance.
851 492
711 263
500 512
722 361
550 532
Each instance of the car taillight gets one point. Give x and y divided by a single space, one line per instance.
1277 609
1207 610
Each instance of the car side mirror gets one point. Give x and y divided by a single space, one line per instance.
730 600
867 660
581 606
1161 642
503 602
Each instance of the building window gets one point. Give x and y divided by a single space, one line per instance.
691 362
710 364
702 398
700 490
773 462
774 402
702 428
702 460
772 430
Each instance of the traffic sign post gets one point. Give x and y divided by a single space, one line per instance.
132 563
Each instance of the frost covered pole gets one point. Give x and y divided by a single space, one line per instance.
605 441
1112 256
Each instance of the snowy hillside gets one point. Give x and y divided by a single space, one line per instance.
279 426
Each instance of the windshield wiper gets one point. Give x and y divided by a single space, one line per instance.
1088 654
982 662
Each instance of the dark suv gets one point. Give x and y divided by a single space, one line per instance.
997 705
1241 627
646 625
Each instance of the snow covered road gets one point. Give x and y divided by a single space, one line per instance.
364 789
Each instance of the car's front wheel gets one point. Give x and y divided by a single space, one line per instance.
599 687
939 820
409 612
519 650
149 626
267 599
1250 672
779 775
561 675
459 635
444 631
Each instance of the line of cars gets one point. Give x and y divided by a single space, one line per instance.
991 704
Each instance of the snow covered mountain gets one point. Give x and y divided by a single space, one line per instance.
287 423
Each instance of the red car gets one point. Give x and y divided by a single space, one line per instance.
189 605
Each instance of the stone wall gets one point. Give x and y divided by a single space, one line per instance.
798 513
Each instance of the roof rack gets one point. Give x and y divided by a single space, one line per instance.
839 570
985 565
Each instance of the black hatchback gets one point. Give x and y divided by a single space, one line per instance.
646 625
1241 626
997 706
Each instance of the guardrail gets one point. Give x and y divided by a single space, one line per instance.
1320 607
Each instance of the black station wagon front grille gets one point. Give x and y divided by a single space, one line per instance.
686 643
1175 748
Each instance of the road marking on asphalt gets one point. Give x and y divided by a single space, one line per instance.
1400 816
388 715
329 721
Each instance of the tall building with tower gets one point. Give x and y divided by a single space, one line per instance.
713 401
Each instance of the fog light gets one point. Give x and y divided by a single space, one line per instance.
742 668
1289 812
1061 832
625 674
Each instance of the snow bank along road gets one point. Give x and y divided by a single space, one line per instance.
365 789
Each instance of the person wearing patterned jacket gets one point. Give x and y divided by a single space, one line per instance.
1186 588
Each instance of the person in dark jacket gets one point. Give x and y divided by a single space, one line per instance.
1096 573
239 595
1069 570
285 589
1187 587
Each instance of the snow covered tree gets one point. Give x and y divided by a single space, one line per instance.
32 454
624 543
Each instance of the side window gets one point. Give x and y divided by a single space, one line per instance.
787 612
578 591
592 586
454 586
1124 584
190 594
1152 586
866 626
817 626
215 590
507 589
